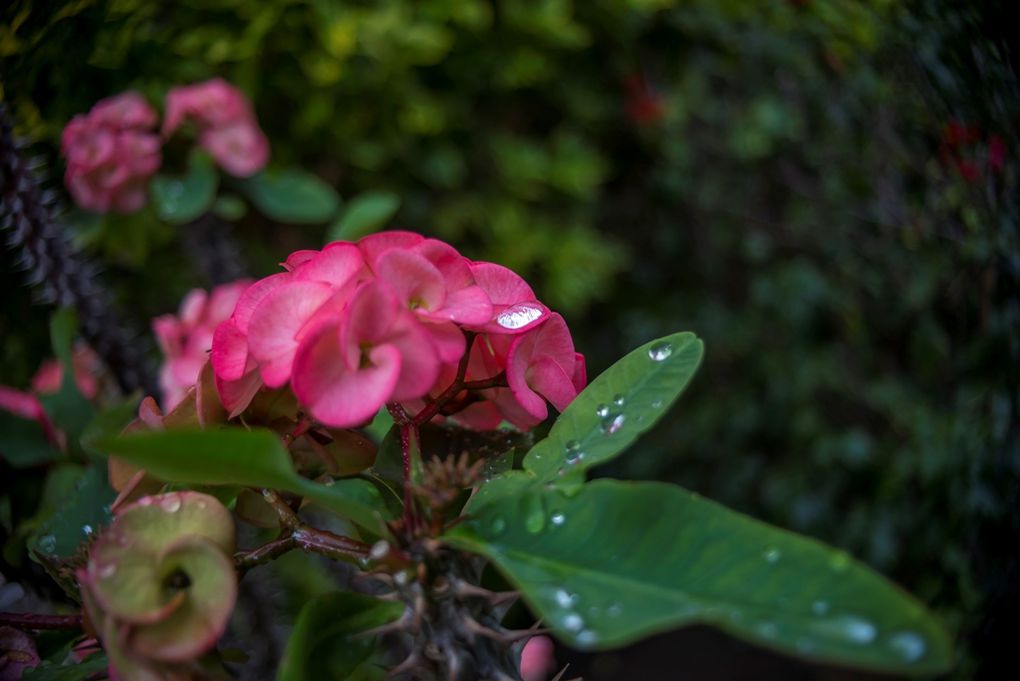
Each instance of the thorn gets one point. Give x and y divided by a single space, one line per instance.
403 623
465 589
409 663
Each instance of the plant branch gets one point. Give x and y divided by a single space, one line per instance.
36 622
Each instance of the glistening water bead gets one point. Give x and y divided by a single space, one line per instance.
660 351
518 316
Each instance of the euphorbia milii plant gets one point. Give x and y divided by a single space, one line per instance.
463 361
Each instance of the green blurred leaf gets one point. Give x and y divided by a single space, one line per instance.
365 213
619 561
23 443
292 195
622 403
84 512
68 409
78 671
108 423
182 199
230 207
324 645
254 458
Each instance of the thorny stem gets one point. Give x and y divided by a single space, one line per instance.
32 621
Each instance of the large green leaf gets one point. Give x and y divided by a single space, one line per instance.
365 213
180 199
619 561
324 645
83 513
23 443
627 399
255 458
292 195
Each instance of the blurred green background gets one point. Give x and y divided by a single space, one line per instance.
824 190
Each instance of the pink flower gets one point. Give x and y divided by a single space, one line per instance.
386 320
226 124
111 153
537 660
186 339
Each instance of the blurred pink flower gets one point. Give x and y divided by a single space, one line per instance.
537 660
186 338
226 124
111 153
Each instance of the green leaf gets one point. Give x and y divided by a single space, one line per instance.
23 443
292 196
182 199
324 645
78 671
365 213
627 399
620 561
67 408
108 423
83 513
251 458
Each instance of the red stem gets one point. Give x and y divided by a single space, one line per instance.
27 620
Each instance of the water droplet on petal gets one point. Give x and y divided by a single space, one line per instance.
171 503
772 555
558 519
518 316
908 644
660 351
820 607
107 570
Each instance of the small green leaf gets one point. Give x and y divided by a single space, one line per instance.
324 645
67 408
23 443
252 458
78 671
108 423
365 213
626 400
292 196
182 199
85 512
230 207
620 561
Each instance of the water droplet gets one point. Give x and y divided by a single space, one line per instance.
558 519
908 644
87 530
534 516
656 404
602 411
839 562
587 638
612 423
171 503
330 482
497 525
106 570
48 543
201 503
660 351
772 555
518 316
564 599
854 629
618 400
573 622
768 629
820 607
614 610
379 550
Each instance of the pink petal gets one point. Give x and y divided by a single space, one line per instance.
541 364
253 295
503 285
448 340
192 306
229 352
338 264
548 379
419 361
237 395
469 306
416 281
374 245
480 416
275 327
298 257
580 377
370 316
455 268
334 395
22 404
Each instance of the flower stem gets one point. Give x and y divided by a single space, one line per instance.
32 621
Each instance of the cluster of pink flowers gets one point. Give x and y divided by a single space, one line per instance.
225 122
111 153
358 325
186 338
114 150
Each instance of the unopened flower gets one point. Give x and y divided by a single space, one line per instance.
225 123
186 338
537 660
111 153
386 320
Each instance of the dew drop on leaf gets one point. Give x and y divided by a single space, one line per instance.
558 519
587 637
87 530
660 351
772 555
618 400
497 525
820 607
573 622
48 543
602 411
656 404
611 423
565 599
909 645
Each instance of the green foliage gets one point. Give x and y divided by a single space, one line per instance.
67 407
619 561
182 199
292 196
79 516
364 214
78 671
325 643
255 458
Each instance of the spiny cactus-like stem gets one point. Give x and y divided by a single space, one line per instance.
28 219
211 247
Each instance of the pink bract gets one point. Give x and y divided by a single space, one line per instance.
225 122
111 153
356 326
